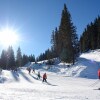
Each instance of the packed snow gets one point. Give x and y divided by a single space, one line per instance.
78 82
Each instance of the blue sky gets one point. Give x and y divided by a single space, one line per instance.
35 20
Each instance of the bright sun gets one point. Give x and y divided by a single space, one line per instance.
8 37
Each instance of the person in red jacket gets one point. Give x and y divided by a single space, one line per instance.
44 77
99 73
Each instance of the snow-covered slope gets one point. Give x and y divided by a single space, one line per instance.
86 66
78 82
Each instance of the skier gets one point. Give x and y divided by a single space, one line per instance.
44 77
0 71
99 74
33 70
38 75
29 69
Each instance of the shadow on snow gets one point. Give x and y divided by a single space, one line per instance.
15 75
25 76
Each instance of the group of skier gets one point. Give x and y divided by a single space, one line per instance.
38 74
44 76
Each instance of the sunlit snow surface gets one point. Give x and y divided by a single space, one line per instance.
78 82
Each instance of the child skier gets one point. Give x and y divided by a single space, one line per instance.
38 75
44 77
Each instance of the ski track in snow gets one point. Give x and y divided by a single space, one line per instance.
78 82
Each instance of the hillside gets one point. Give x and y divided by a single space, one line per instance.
86 66
76 82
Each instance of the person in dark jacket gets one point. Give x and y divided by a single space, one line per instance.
45 77
29 69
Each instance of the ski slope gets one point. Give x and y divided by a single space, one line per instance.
78 82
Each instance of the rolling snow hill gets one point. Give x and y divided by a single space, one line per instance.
78 82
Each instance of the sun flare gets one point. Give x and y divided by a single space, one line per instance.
8 37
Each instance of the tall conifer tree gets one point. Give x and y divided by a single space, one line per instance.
19 58
66 35
3 60
10 58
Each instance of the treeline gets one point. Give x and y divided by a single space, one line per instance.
90 38
64 40
48 54
65 43
9 61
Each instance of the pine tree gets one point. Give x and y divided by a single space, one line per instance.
19 58
98 35
57 43
53 40
66 30
75 43
3 60
25 59
10 59
32 58
90 38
